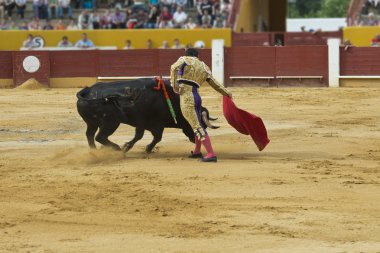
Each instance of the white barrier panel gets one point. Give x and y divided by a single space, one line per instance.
218 60
334 62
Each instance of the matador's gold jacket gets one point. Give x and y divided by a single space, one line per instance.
196 72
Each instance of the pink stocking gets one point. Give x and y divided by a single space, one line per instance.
207 144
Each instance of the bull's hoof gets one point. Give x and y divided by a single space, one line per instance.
127 146
149 149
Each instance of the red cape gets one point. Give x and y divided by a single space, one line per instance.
245 123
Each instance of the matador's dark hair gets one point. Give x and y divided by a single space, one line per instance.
192 52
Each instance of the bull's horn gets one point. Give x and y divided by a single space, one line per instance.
212 118
207 122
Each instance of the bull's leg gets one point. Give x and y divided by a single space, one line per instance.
105 131
139 133
157 136
90 134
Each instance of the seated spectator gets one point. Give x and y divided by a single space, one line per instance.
372 20
165 16
23 26
13 26
34 24
199 44
53 9
128 45
346 44
204 5
72 25
190 24
29 43
20 5
64 6
3 25
166 24
375 42
83 20
60 25
141 19
65 42
48 26
153 18
218 23
9 5
206 20
94 20
177 45
105 20
165 45
149 44
118 19
179 18
84 42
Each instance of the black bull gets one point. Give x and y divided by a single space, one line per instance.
137 103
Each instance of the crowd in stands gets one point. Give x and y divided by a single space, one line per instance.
86 43
58 15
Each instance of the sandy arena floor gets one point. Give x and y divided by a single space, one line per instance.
315 188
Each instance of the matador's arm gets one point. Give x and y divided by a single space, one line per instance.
217 86
174 73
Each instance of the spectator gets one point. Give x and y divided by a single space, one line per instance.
3 25
179 18
372 20
165 45
199 44
218 23
346 44
206 20
9 6
64 6
84 42
177 44
29 43
72 25
141 19
128 45
94 20
83 20
149 44
375 42
23 26
153 18
52 8
105 20
118 19
43 9
60 25
205 5
2 7
190 24
165 16
48 26
36 11
166 24
34 24
65 42
20 5
13 26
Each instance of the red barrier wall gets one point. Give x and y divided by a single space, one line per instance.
6 65
360 61
250 39
250 61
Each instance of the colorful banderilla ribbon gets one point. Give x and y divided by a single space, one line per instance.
161 84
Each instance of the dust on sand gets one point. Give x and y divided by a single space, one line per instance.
315 188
